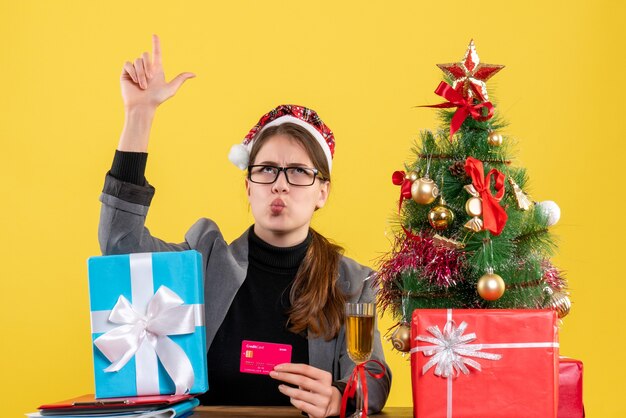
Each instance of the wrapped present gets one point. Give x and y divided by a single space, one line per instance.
147 324
487 363
570 388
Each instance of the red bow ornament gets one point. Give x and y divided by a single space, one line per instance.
399 179
465 107
494 215
358 377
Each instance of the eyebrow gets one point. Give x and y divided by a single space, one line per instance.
275 164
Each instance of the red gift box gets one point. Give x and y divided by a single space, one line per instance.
570 388
487 363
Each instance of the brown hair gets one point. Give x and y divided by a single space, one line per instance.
316 302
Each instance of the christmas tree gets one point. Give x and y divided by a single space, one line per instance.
468 234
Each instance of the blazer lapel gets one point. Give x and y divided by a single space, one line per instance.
225 273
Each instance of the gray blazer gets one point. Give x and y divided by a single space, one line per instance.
122 231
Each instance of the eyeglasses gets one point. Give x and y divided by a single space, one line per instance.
268 174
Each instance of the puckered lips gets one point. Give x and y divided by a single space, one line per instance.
277 206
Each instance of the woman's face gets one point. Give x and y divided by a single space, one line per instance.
282 212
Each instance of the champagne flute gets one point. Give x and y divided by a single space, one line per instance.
360 341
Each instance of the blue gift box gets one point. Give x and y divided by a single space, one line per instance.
147 322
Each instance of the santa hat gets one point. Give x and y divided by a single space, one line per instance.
240 153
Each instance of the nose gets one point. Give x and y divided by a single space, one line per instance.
281 184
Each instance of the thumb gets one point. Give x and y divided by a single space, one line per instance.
179 80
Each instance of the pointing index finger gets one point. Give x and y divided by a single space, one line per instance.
156 50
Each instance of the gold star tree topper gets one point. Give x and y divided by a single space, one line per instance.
470 74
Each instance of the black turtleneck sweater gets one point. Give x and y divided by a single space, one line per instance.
258 312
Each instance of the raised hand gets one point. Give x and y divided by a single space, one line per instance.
143 89
143 81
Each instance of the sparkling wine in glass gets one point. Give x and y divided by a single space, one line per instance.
360 341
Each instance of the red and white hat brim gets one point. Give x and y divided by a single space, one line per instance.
240 153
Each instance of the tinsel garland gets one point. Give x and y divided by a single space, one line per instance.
553 276
438 265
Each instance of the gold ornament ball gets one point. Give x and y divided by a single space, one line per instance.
474 206
491 287
494 139
401 338
412 175
560 302
440 217
424 191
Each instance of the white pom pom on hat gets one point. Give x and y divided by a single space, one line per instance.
239 155
307 118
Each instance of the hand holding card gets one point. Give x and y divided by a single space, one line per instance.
311 389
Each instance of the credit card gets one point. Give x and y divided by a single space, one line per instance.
261 357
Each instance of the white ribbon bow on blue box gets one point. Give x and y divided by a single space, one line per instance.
147 342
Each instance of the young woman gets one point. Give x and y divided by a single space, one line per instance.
280 281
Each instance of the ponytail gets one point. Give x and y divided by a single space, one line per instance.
316 302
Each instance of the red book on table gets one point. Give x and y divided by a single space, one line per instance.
89 402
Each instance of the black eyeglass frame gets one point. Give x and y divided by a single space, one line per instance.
284 169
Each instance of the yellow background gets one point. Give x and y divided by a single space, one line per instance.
362 66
